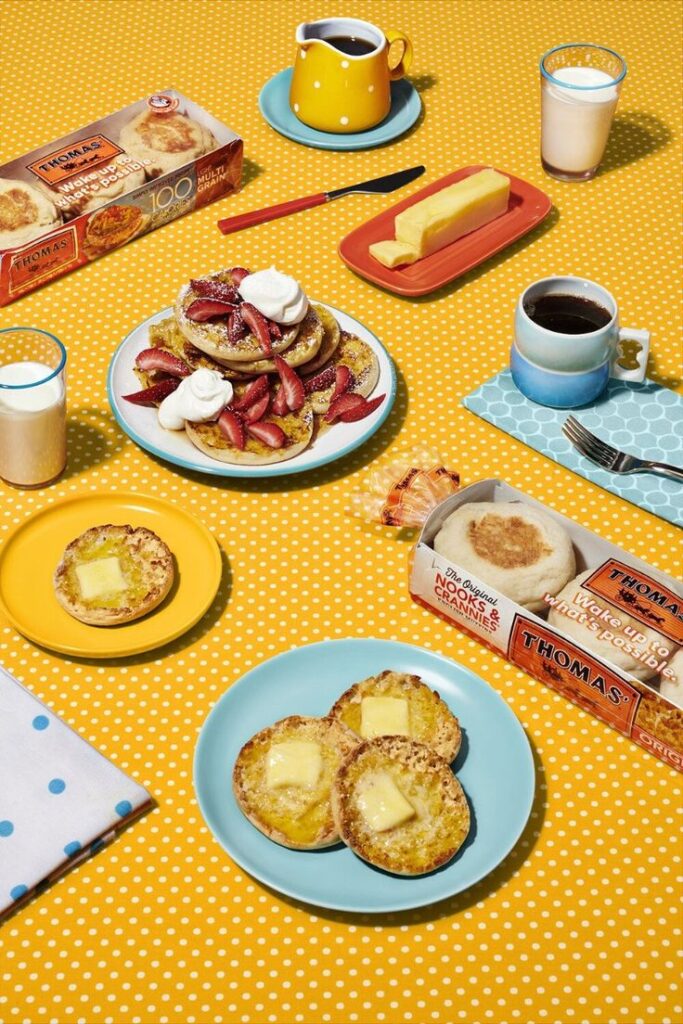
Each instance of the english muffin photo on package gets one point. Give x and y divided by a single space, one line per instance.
81 196
584 617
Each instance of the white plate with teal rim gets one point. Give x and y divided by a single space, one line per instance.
495 767
141 423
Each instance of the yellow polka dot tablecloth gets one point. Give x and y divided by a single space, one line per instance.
582 921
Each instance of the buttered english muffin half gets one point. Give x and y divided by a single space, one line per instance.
26 212
283 777
398 805
398 704
165 140
521 551
112 574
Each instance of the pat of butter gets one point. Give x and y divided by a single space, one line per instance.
294 763
384 716
392 253
99 577
383 805
454 211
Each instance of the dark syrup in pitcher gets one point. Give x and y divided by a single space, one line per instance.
353 45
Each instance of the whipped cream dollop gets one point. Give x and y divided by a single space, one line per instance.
278 296
198 398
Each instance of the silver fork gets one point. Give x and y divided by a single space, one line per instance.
603 454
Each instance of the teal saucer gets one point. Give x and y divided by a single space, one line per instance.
273 103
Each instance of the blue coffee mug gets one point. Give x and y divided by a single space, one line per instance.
560 389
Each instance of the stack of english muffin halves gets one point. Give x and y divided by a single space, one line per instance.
374 773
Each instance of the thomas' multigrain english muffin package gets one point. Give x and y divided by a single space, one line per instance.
97 188
594 623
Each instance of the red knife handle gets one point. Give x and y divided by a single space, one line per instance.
247 220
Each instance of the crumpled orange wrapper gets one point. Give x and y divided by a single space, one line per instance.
405 489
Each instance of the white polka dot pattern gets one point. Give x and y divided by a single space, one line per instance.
581 922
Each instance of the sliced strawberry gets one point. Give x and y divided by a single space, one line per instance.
162 359
258 324
155 394
280 407
274 329
258 410
238 274
202 310
269 433
252 393
345 403
292 384
321 382
361 411
343 381
236 326
207 288
232 426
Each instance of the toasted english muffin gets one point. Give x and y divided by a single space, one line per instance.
412 710
520 550
164 141
392 778
283 776
26 212
304 347
166 334
361 361
297 427
330 340
112 227
112 574
212 336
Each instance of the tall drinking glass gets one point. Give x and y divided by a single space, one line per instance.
32 406
580 85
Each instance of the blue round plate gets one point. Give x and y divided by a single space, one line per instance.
142 425
273 103
495 767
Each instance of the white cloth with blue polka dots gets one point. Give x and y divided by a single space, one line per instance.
60 800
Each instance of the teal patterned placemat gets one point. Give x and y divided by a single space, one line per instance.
643 419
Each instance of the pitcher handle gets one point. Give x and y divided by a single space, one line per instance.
399 54
632 373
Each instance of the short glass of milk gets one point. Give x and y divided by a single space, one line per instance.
32 406
580 85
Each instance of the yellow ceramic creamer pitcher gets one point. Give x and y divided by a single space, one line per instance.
342 72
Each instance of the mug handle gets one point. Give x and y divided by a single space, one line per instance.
398 69
630 372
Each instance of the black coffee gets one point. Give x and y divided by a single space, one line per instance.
567 314
351 44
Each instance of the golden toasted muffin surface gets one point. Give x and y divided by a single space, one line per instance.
112 574
392 696
291 804
397 805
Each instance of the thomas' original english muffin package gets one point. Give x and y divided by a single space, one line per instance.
594 623
97 188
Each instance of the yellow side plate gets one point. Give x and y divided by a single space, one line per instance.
31 553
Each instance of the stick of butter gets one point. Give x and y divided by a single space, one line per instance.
452 212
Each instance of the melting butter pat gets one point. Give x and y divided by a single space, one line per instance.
384 716
294 763
383 805
393 253
454 211
100 577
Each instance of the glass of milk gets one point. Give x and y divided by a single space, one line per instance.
580 85
32 407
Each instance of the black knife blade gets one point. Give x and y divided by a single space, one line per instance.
380 186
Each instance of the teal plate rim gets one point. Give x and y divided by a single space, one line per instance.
273 103
497 774
248 472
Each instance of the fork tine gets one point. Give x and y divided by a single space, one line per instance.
589 436
586 449
590 440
